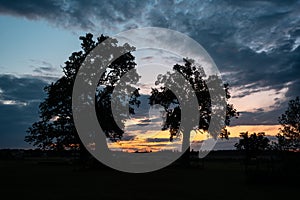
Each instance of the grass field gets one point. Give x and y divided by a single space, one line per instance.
215 179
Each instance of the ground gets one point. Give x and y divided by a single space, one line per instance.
211 179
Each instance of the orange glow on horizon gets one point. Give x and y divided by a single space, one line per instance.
160 140
270 130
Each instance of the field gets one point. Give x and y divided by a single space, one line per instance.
40 178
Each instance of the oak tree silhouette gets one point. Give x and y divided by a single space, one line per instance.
198 80
55 129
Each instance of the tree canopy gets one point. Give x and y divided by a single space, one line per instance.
55 129
289 135
198 80
253 143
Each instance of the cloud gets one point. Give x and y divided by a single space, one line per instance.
19 100
220 145
255 44
262 99
77 14
44 68
24 89
259 117
157 140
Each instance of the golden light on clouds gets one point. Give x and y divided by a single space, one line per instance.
147 142
145 134
263 98
271 130
159 141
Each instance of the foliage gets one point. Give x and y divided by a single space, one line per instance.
198 80
253 143
289 135
55 129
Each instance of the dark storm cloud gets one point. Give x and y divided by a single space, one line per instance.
90 15
260 117
25 89
255 44
15 120
236 34
19 100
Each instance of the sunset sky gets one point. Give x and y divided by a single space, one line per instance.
254 44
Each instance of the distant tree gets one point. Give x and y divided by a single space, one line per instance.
253 144
55 129
289 135
224 133
198 80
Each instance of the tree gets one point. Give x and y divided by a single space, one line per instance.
252 144
289 135
198 83
55 129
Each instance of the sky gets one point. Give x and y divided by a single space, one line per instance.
255 45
